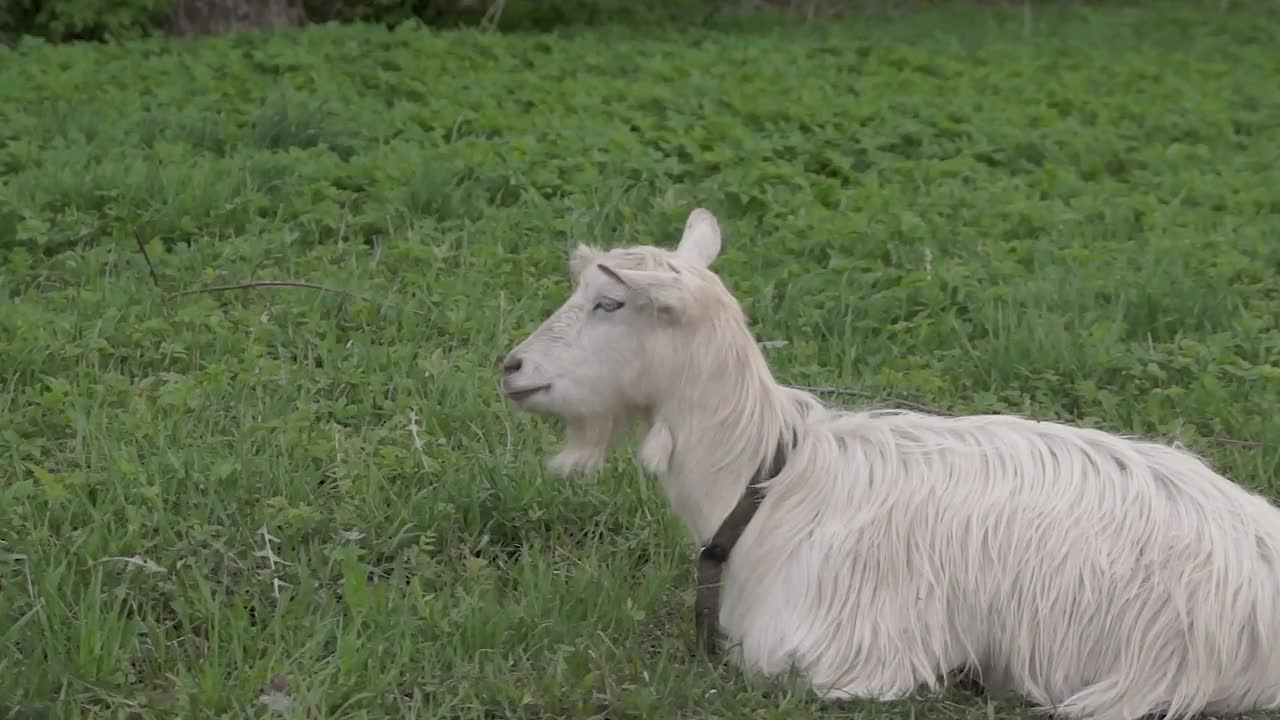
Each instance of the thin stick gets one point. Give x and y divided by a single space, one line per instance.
143 247
830 390
827 390
1238 443
281 283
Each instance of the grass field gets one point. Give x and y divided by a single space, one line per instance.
198 494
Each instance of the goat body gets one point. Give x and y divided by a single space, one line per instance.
1095 575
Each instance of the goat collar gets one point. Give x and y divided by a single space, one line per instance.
713 555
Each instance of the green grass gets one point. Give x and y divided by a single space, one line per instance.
1079 223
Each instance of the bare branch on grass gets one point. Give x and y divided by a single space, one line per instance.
1237 443
906 404
918 407
155 278
284 284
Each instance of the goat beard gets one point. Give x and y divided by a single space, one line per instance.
586 445
589 439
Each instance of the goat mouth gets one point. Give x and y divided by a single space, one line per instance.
526 393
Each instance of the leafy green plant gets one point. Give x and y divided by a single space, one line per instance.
59 20
109 20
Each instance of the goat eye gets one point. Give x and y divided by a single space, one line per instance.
608 304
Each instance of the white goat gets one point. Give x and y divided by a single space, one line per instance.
1096 576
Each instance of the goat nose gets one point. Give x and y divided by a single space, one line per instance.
512 364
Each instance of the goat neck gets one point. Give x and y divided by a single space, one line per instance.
722 419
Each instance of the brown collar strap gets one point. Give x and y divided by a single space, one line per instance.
713 555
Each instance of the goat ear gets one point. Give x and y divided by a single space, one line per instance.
701 240
666 291
580 259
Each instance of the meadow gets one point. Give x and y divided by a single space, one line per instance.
315 503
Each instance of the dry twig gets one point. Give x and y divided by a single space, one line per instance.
143 247
1237 443
918 407
283 283
907 404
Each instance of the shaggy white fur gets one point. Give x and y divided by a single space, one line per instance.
1095 575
